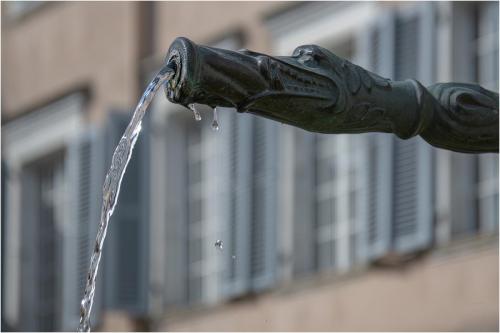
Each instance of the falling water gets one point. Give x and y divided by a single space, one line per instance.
111 188
218 244
215 122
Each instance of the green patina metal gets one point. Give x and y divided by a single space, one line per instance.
320 92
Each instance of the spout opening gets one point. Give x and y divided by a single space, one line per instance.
183 56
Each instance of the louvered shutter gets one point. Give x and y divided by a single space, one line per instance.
412 159
240 186
488 193
84 174
126 249
378 45
83 211
29 230
379 195
264 203
75 165
250 197
407 44
3 230
95 175
488 78
176 215
412 195
304 202
225 201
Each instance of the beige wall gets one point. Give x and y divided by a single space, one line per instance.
441 292
205 22
64 46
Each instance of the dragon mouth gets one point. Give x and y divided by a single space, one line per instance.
172 86
246 80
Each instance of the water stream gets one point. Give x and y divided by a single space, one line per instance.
111 188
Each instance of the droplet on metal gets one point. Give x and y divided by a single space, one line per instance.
215 122
197 115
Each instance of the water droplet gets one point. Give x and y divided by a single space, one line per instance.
218 244
197 115
215 122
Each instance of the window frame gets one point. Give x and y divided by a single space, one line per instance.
39 133
324 27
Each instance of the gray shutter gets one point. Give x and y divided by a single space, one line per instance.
463 213
326 209
97 174
126 249
304 202
176 215
488 192
488 63
378 172
488 77
407 44
412 168
79 154
264 203
29 230
4 325
196 209
379 176
412 195
83 211
399 174
84 176
237 278
250 196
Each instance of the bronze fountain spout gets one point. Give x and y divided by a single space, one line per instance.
320 92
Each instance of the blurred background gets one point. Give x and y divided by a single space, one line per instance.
319 232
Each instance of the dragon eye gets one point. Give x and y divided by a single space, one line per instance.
309 59
307 56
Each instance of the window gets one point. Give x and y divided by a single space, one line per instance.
486 44
224 187
474 178
338 225
486 59
43 189
326 201
43 195
412 169
196 211
487 192
225 183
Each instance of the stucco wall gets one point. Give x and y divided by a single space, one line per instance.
441 292
69 45
205 22
66 46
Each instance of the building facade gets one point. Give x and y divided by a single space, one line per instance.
354 232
